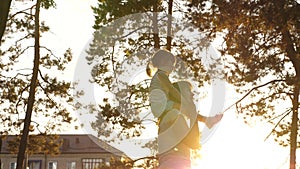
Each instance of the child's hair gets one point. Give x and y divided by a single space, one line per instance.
157 59
162 54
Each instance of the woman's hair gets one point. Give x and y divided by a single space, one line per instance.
160 56
149 70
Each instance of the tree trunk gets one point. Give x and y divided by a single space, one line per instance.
155 26
295 119
31 98
0 152
4 10
294 56
169 29
294 127
46 161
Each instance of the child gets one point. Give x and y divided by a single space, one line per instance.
162 93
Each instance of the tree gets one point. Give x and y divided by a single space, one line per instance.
127 33
261 46
33 84
47 144
37 144
25 95
4 10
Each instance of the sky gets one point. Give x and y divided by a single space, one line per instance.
233 144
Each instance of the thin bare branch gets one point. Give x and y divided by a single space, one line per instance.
41 75
25 37
25 49
287 112
271 119
144 158
23 74
50 51
112 59
47 95
124 36
20 97
250 91
37 126
23 12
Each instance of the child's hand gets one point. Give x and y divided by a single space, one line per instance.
211 121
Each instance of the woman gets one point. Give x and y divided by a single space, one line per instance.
182 129
172 104
179 129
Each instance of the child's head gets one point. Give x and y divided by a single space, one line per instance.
163 60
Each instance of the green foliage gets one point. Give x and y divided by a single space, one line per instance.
53 97
45 144
114 163
115 52
127 163
124 43
48 4
107 11
261 43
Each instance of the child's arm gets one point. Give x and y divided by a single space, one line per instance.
209 121
201 118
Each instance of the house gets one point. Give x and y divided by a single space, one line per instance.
76 152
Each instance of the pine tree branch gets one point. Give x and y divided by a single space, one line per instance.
48 96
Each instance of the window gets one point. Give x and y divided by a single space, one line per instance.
52 165
92 163
34 164
13 165
107 163
77 140
66 144
71 165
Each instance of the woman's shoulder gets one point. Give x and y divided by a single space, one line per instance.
161 74
157 79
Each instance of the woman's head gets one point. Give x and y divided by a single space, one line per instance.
163 60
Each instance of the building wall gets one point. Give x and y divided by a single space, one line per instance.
75 148
62 160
